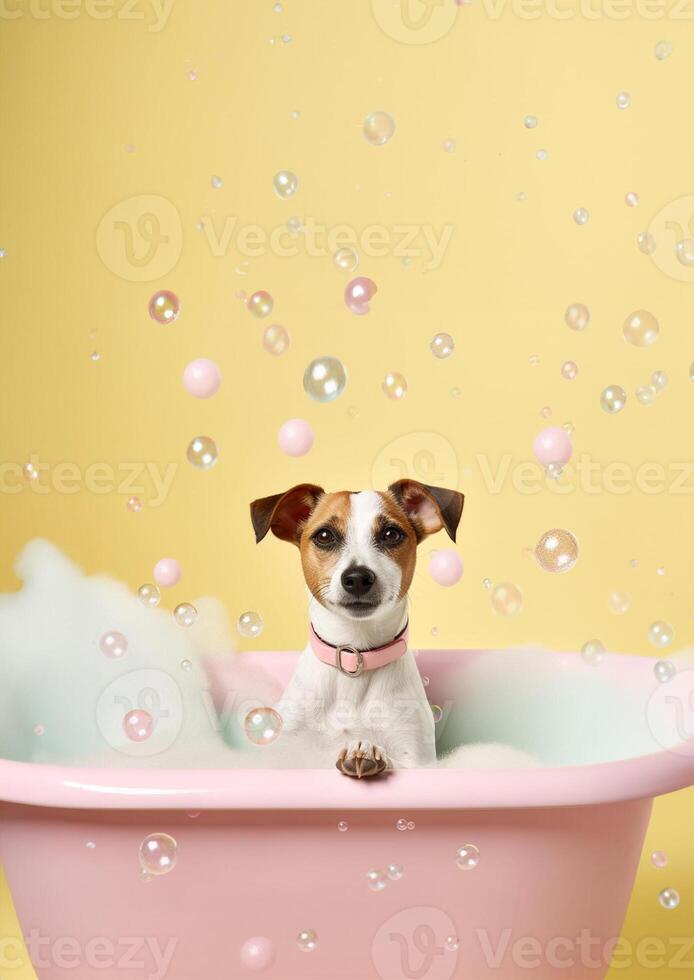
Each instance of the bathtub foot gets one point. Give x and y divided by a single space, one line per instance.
361 760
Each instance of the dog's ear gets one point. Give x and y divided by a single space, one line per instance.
429 508
285 513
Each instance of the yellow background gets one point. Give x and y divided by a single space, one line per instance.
100 110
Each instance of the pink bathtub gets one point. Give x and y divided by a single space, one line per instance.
261 860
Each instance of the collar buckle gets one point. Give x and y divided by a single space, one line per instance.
357 653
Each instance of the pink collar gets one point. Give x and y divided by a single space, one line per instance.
352 661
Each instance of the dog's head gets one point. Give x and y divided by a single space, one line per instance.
358 550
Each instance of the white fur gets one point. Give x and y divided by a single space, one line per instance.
386 707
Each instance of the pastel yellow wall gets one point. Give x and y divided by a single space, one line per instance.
101 113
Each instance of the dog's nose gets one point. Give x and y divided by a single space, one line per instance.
358 580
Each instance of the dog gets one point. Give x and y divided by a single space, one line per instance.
356 692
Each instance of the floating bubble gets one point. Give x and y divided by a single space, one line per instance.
631 199
138 725
295 437
295 225
394 385
358 294
449 145
186 665
113 645
185 614
691 371
581 216
158 854
487 583
663 50
554 470
659 380
307 941
325 379
39 730
669 898
30 471
442 345
164 307
641 328
275 339
376 879
134 505
262 726
167 572
446 567
506 599
659 859
645 242
577 316
95 356
285 184
660 634
378 128
149 595
260 303
216 181
684 251
410 825
467 857
593 652
250 624
202 452
557 550
619 603
343 826
258 952
401 824
546 412
569 370
530 122
202 378
346 259
542 154
613 399
645 394
452 944
664 671
623 100
394 872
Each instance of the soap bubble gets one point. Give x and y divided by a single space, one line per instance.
149 595
250 624
530 122
358 294
645 394
295 437
593 652
569 370
164 306
134 505
185 614
258 952
613 399
30 471
138 725
631 199
260 303
623 100
542 154
467 857
307 940
581 216
660 634
346 259
401 824
557 550
442 345
449 145
669 898
645 242
410 824
285 184
577 316
641 328
659 380
394 871
554 470
619 603
343 826
377 880
663 50
158 854
452 944
167 572
325 379
216 181
378 128
659 859
691 371
113 645
186 665
394 385
507 599
664 671
684 251
202 378
446 567
202 452
275 339
262 726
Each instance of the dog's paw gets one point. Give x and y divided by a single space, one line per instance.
361 759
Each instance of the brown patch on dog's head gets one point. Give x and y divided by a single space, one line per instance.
332 514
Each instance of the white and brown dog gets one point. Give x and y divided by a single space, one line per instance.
356 691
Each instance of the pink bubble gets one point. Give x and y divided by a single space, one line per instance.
164 306
553 445
358 294
202 378
295 437
258 953
138 725
167 572
446 567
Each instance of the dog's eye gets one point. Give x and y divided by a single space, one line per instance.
324 538
391 535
